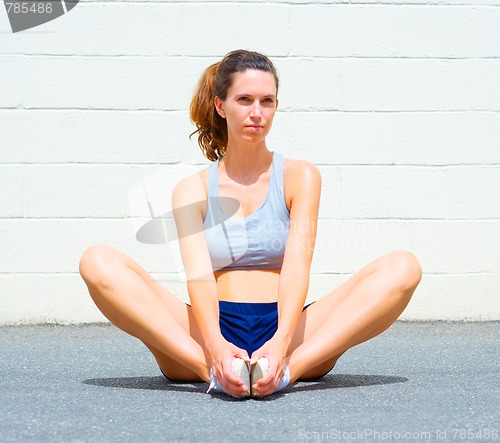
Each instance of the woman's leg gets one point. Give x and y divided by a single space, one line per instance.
133 301
361 308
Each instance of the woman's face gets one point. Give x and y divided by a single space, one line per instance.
249 106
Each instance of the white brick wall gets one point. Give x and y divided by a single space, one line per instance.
398 102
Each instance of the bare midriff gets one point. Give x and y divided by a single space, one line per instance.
251 286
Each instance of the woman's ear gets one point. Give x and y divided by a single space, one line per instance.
219 107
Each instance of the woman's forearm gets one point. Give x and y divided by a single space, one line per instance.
291 297
205 308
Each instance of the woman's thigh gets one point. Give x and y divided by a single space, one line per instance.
100 264
312 319
317 313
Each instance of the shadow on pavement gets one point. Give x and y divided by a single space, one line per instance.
335 381
332 381
154 383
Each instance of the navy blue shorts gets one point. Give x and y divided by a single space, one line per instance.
248 325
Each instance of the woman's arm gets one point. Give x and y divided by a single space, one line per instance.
303 187
189 205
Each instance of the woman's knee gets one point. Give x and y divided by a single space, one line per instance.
404 269
95 263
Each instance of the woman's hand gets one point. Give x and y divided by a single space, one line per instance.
223 353
275 350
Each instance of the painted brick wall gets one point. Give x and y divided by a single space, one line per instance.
397 102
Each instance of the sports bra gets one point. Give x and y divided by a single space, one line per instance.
254 242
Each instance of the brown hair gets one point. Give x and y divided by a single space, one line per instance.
215 82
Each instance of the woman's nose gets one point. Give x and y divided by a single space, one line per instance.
256 111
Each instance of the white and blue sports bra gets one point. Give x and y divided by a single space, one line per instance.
254 242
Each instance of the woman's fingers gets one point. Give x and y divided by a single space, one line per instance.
267 384
233 384
241 353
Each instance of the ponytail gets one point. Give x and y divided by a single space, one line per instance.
211 127
214 82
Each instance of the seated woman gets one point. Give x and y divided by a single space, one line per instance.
246 330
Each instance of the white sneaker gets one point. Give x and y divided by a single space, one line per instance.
214 384
285 380
257 371
240 369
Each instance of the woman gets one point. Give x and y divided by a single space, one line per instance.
247 330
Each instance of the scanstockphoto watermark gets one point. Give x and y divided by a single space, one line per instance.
364 434
453 434
26 14
152 221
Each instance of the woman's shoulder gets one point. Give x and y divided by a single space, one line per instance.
299 170
192 188
301 179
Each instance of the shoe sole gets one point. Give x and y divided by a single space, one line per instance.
257 371
242 370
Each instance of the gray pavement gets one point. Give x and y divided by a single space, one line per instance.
418 381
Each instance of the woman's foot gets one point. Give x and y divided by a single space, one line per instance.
240 368
259 369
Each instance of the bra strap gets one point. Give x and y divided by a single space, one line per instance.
213 191
213 179
278 173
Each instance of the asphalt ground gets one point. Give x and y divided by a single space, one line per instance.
418 381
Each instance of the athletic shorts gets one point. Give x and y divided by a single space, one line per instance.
248 325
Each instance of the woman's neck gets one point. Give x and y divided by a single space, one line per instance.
246 164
